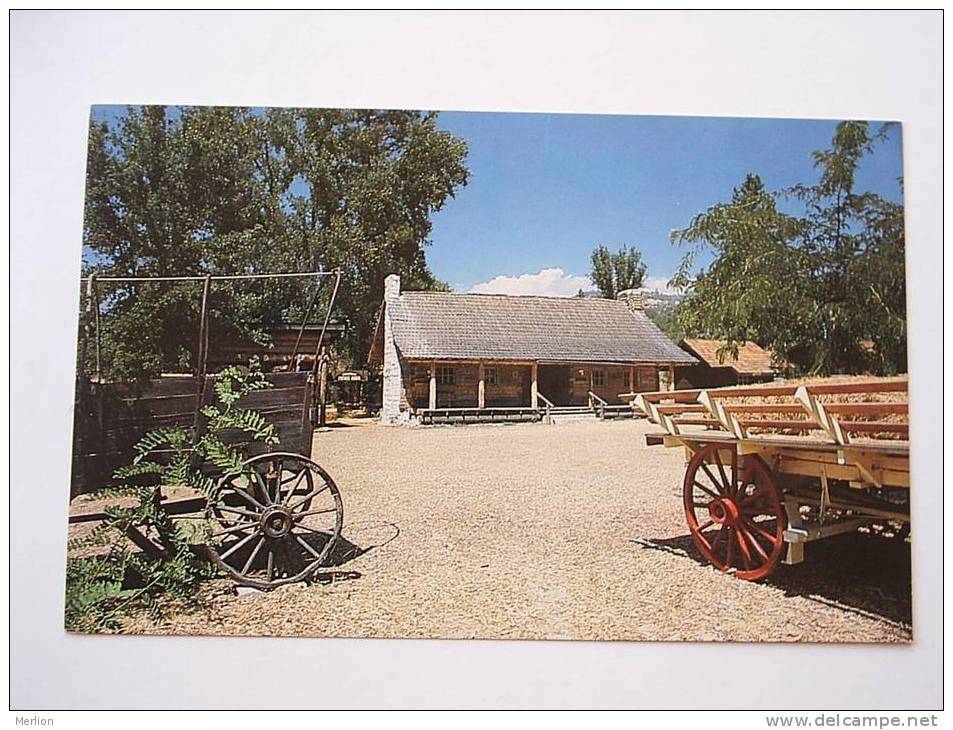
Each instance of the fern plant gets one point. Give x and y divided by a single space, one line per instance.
102 589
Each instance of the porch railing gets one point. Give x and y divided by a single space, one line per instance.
547 406
597 404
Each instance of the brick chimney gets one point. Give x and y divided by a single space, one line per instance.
632 298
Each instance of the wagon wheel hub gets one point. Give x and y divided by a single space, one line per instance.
276 522
723 511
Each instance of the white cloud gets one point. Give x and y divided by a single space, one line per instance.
555 283
658 283
548 283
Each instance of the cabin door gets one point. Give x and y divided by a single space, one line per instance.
553 382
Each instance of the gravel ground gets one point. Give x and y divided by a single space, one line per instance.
526 531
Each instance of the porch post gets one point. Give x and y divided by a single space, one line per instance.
481 389
433 385
671 377
534 388
632 375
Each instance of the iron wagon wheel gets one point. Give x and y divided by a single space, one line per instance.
276 522
734 511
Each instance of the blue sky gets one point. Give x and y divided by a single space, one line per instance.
547 188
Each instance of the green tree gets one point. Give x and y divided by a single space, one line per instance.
197 190
615 272
815 289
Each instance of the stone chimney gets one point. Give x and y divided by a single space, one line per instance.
632 298
391 288
392 380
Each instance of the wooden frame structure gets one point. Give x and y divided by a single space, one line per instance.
834 456
269 512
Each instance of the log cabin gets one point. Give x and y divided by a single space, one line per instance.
501 357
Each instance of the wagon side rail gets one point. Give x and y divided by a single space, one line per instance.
828 408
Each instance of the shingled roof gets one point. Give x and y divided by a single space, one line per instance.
752 359
448 326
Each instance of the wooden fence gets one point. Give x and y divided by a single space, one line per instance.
110 418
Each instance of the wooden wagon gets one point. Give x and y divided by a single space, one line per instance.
772 468
274 522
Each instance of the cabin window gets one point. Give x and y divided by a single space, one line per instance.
445 375
489 376
599 377
628 379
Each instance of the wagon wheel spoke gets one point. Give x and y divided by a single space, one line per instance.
304 543
731 549
746 536
276 479
312 529
721 487
313 512
263 487
310 495
707 491
753 527
270 570
711 538
742 545
236 528
241 492
254 554
718 539
729 483
294 486
244 541
233 510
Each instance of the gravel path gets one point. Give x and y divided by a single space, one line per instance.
572 531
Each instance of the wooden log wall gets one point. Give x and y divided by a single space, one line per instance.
511 387
615 379
109 418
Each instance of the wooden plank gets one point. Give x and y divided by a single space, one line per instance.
753 391
884 385
678 396
847 472
763 408
169 385
681 408
288 380
273 397
875 427
853 409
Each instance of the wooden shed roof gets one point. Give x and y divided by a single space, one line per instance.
449 326
752 359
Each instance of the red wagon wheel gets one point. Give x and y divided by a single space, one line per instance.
734 512
276 522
